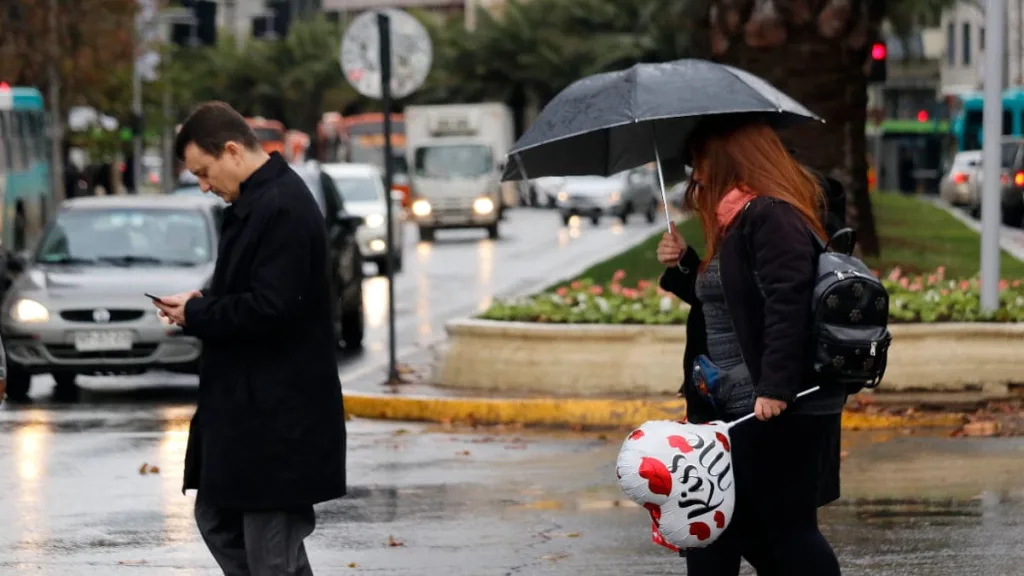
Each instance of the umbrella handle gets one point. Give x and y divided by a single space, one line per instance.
752 414
661 183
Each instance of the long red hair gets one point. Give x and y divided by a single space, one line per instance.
751 157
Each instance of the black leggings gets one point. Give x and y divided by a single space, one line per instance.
779 467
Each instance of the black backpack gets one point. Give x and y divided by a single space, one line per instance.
850 316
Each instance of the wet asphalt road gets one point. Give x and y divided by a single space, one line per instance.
473 503
462 272
73 500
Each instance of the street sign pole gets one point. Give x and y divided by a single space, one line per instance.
992 123
384 26
386 54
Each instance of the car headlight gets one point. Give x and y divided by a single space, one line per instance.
483 206
614 197
29 312
421 207
374 220
563 196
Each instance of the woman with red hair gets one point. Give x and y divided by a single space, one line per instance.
750 318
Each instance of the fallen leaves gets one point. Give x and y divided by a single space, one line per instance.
147 468
353 565
393 542
978 428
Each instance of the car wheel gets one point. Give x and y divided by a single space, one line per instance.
492 231
1012 216
18 383
652 210
426 234
595 219
65 381
352 317
565 219
626 211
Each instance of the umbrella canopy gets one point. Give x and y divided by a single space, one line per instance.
610 122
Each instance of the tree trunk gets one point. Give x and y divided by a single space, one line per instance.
827 76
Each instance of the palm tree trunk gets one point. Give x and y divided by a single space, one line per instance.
828 78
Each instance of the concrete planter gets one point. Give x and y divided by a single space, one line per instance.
630 360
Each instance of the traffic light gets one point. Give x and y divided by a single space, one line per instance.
206 28
282 17
204 31
878 71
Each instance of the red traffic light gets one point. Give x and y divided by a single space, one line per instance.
878 51
922 116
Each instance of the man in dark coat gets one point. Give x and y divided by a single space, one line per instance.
267 440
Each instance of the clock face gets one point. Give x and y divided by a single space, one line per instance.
411 54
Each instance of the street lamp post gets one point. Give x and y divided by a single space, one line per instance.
992 123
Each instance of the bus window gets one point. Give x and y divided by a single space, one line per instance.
1007 123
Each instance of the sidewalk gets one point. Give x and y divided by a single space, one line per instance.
420 401
1010 239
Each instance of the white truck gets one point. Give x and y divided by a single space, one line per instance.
456 154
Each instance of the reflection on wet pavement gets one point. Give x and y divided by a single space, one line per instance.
79 501
463 271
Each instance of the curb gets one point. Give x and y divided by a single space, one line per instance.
585 412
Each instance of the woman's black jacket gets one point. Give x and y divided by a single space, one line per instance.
767 260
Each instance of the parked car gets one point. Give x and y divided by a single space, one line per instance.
1011 183
629 192
345 259
361 189
955 186
78 303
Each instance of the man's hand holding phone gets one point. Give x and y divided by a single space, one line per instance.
172 308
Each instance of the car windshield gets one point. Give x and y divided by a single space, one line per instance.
454 161
127 236
358 188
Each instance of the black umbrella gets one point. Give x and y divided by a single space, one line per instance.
606 123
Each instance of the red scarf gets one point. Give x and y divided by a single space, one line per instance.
731 206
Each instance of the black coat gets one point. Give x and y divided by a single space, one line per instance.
767 261
268 432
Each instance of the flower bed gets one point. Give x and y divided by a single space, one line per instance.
921 298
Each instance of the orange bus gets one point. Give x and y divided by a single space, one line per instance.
270 133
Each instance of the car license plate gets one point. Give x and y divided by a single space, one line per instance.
103 340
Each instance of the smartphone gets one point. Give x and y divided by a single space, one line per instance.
153 298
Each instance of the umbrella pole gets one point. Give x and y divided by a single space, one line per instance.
752 414
661 182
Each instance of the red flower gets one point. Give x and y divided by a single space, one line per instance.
596 290
562 291
643 285
576 284
619 275
1003 285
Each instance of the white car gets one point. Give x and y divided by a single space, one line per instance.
957 186
361 187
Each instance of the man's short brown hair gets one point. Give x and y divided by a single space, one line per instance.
212 125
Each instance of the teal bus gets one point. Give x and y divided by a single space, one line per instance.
968 122
26 188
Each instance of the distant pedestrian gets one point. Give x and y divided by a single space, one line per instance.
267 440
750 301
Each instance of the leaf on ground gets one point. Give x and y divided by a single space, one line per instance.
353 565
981 428
554 557
463 453
393 543
400 432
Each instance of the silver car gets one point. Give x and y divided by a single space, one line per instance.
361 190
956 186
78 304
629 192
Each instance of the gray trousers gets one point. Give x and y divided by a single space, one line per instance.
257 543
